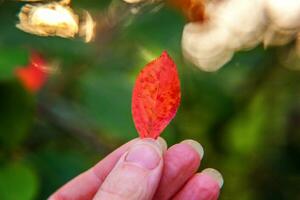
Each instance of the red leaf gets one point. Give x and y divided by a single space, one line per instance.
156 96
33 76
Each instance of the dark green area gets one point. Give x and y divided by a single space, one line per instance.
247 115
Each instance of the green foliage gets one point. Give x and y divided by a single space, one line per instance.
10 59
17 181
101 99
247 115
16 107
247 129
55 167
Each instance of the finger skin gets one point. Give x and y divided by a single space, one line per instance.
200 187
135 176
85 186
181 162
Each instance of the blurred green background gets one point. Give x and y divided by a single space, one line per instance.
247 115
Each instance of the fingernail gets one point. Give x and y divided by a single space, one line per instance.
145 155
215 174
159 142
162 143
195 145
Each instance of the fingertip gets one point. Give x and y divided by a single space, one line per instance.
181 162
142 164
215 175
201 186
51 198
145 155
196 146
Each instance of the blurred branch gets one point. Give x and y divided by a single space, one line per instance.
109 24
120 14
63 116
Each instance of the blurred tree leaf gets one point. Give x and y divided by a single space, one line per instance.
246 131
107 99
17 181
164 32
240 70
10 59
203 103
16 107
56 167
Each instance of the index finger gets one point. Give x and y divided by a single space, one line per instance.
85 185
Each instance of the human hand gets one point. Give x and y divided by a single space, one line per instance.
144 169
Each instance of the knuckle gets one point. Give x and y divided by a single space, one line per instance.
124 193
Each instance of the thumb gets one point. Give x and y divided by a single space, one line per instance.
137 174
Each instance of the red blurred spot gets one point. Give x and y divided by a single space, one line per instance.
33 76
156 96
